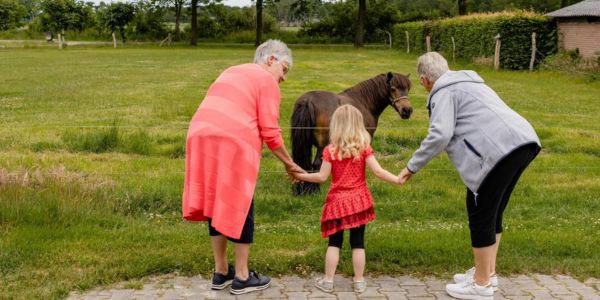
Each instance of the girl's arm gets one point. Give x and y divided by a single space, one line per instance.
319 177
379 171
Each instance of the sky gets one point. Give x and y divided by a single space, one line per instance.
237 2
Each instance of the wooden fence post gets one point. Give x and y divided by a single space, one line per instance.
428 42
533 51
167 39
497 53
407 42
389 37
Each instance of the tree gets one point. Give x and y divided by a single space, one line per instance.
61 15
304 10
148 19
277 8
31 6
177 9
338 24
360 27
194 19
564 3
259 23
11 14
117 16
194 24
462 7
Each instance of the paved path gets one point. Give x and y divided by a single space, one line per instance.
385 287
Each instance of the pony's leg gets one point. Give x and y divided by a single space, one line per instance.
307 188
318 160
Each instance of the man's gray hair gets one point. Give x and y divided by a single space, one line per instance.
432 65
276 48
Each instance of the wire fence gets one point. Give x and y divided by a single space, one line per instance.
427 170
379 129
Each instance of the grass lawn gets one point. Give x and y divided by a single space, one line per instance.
91 171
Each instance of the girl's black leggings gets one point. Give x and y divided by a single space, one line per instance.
357 238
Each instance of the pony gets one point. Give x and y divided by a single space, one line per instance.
313 110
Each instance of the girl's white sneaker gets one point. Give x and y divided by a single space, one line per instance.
360 286
325 286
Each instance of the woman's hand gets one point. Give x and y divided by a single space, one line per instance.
293 169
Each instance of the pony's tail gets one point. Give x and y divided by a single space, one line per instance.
303 123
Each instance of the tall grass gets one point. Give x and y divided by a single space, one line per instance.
96 141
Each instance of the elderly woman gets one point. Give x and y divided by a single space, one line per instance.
489 144
223 152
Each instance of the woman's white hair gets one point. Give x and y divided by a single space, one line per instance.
276 48
432 65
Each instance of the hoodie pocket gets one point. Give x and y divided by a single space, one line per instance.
474 151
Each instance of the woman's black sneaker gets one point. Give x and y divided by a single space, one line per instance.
221 281
254 282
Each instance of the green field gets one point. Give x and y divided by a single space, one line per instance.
91 171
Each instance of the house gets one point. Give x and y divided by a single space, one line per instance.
579 27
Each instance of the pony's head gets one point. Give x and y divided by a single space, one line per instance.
399 86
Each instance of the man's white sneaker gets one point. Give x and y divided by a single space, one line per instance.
458 278
470 290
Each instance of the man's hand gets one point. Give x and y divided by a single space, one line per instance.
404 176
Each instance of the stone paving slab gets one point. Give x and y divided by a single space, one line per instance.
171 286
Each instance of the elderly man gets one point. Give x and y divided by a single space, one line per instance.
489 144
223 152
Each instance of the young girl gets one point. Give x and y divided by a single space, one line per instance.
349 204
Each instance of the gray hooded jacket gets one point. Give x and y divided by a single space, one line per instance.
475 127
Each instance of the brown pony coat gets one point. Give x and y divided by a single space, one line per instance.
313 110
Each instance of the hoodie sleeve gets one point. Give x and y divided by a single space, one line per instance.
441 129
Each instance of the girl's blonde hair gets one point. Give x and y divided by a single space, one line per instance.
347 133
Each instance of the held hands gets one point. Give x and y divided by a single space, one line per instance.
404 176
293 169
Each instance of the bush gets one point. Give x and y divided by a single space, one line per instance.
474 37
570 61
416 36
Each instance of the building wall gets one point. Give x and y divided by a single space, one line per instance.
582 35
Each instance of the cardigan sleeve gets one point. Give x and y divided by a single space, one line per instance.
269 100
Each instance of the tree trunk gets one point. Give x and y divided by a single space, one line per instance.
122 31
177 17
194 25
462 7
114 40
360 28
259 23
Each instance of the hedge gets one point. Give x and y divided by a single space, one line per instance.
474 36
